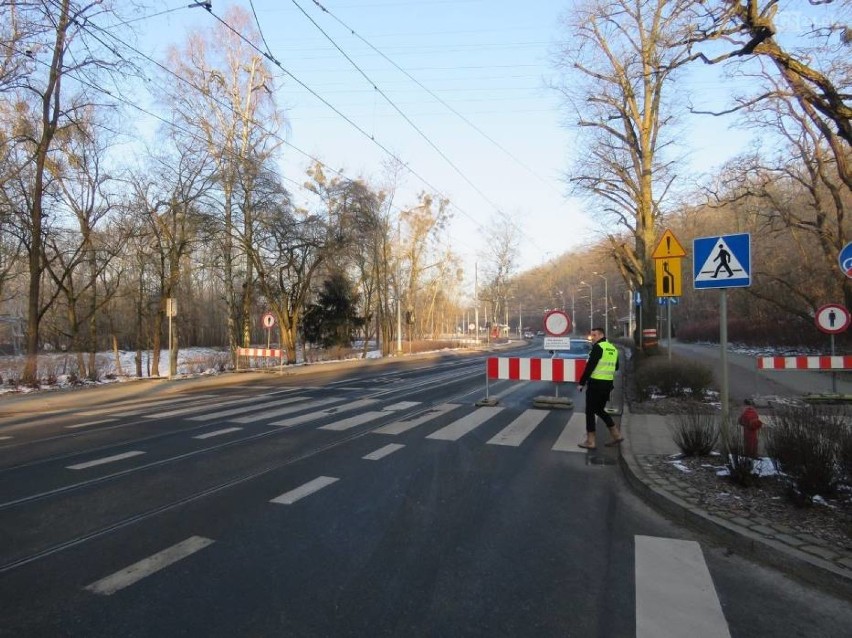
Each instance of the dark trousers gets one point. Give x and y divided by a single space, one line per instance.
597 394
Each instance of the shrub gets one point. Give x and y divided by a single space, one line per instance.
695 432
807 444
675 378
740 465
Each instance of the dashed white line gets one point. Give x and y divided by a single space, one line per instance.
85 425
107 459
288 498
146 567
210 435
382 452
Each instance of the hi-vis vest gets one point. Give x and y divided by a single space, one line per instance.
605 370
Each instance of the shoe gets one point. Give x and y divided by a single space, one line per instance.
614 442
584 445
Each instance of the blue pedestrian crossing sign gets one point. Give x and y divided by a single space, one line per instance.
722 262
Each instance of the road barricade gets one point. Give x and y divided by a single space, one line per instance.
244 355
826 362
531 369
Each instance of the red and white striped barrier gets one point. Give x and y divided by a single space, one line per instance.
520 369
804 363
259 352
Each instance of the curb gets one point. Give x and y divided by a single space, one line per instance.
812 570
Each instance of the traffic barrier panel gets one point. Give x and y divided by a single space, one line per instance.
534 369
805 363
260 352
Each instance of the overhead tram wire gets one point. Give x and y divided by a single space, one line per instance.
455 112
347 119
397 109
160 118
189 83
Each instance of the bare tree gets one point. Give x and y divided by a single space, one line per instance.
817 76
226 98
500 262
619 64
50 99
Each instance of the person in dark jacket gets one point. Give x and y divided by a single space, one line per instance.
599 376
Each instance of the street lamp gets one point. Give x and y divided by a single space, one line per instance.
591 306
606 301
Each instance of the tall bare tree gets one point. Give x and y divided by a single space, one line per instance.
817 74
226 98
619 63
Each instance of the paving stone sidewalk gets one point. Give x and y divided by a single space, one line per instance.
803 556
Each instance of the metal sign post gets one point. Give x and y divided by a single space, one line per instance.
832 319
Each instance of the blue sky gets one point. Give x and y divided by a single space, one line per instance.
490 60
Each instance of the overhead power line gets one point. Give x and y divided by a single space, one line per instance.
401 113
438 98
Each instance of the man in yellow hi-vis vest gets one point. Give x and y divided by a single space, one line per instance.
599 375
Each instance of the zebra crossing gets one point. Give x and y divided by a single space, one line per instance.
331 414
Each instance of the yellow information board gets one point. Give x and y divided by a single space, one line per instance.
669 277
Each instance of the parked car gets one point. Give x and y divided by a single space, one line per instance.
578 349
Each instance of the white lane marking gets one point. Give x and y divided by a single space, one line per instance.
85 425
147 566
402 405
514 387
293 408
573 432
288 498
519 429
107 459
210 435
316 416
675 596
382 452
244 409
198 408
5 438
398 427
456 430
353 421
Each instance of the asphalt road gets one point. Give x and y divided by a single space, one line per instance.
361 501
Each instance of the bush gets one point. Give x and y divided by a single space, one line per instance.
740 465
808 445
675 378
695 432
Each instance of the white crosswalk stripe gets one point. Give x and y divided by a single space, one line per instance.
398 427
316 416
675 596
353 421
382 452
456 430
195 408
246 408
573 432
519 429
269 414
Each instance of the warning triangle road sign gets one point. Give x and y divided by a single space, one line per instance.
722 262
668 247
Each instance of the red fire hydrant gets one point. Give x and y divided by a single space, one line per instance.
750 421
